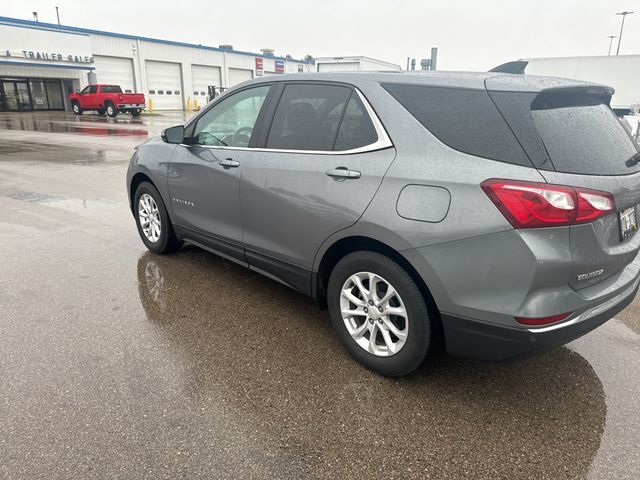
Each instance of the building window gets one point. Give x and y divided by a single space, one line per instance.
152 92
160 92
168 92
177 92
195 94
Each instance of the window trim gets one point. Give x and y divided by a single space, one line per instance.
381 143
191 126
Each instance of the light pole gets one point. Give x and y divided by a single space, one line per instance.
611 37
624 14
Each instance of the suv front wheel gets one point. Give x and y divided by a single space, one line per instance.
379 313
152 220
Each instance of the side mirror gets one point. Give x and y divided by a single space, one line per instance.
173 134
78 91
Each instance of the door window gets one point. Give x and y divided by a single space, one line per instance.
24 102
231 121
356 129
308 117
54 94
39 95
10 96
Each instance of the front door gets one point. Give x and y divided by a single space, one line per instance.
204 179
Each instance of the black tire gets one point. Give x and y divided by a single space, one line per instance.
415 349
135 112
102 112
77 110
167 241
112 111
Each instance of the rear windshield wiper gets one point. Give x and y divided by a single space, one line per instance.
633 161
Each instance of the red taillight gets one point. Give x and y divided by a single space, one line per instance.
535 205
543 320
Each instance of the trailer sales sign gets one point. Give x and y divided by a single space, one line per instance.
29 45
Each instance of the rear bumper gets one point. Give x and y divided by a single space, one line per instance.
492 342
131 106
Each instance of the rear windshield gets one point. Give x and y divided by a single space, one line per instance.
569 132
464 119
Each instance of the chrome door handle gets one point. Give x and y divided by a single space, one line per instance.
229 163
343 173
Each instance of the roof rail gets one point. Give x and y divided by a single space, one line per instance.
516 67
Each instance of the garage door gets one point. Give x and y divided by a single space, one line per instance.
116 71
202 77
239 75
164 83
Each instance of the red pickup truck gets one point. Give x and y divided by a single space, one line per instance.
107 99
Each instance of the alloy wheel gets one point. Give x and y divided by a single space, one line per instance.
149 217
374 314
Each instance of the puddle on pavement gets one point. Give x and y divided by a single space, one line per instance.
43 152
283 374
36 125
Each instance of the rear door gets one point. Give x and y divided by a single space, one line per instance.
321 162
575 139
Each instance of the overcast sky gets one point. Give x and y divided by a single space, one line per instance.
470 34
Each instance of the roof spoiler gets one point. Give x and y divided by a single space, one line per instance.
516 67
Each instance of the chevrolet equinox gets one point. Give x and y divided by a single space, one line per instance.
493 214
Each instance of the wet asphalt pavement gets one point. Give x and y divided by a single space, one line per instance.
118 363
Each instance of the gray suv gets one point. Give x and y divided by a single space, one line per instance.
490 213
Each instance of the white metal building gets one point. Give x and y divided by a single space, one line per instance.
622 72
350 64
41 63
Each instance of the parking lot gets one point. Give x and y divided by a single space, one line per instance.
117 363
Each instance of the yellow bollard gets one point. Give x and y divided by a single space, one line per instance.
150 105
188 104
195 105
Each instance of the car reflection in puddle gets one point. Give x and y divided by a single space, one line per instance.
272 357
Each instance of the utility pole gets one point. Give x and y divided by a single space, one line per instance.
58 15
611 37
624 14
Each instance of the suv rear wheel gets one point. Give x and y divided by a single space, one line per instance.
379 313
111 110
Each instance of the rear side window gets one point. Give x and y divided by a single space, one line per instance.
308 117
464 119
110 89
356 129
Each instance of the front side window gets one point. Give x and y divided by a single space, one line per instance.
308 117
230 122
89 89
